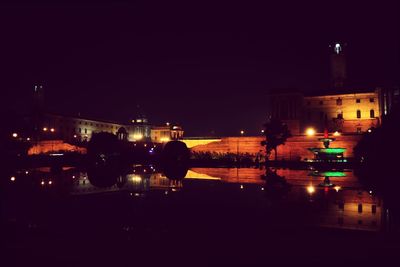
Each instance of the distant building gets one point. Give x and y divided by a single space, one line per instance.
82 129
76 128
165 133
339 108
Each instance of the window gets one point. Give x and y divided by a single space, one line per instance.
372 113
372 100
85 131
339 102
358 114
321 102
340 115
80 130
358 100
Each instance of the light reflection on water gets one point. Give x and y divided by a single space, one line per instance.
345 205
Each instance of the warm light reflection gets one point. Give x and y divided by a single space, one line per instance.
337 188
164 139
310 189
136 178
45 129
336 133
137 136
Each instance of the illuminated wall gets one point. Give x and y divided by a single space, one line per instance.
295 148
359 111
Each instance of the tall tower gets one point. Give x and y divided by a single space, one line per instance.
338 65
38 98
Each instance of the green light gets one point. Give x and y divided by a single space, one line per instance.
328 174
328 150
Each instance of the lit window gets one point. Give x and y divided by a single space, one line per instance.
358 114
358 100
85 131
372 113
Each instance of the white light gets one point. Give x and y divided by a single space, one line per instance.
337 188
28 139
26 172
262 188
52 130
15 135
42 182
338 48
75 135
336 133
50 182
241 132
241 186
12 178
167 123
45 129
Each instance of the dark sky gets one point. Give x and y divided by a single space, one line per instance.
205 65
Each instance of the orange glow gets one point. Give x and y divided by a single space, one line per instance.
310 189
310 131
45 129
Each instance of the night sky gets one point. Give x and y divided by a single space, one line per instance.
207 66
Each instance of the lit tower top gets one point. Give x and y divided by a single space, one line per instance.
338 48
338 65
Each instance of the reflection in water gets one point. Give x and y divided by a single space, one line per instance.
347 205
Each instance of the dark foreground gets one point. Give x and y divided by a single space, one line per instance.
191 222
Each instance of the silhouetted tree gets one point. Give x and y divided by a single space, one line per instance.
276 133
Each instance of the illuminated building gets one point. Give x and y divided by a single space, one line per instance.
165 133
340 108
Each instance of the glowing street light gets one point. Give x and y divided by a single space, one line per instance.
262 131
310 131
15 135
336 133
45 129
52 130
241 132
